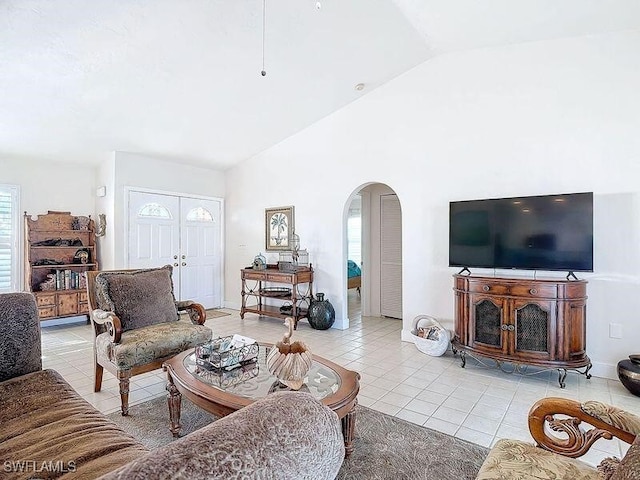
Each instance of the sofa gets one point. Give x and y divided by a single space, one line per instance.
558 427
48 431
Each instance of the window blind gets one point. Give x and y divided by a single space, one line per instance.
8 238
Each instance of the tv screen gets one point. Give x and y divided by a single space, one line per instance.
548 232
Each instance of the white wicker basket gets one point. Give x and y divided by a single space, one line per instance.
438 339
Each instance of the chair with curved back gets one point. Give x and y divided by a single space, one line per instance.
137 324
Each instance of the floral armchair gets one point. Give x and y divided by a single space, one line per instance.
556 426
137 324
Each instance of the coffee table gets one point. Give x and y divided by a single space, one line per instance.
222 393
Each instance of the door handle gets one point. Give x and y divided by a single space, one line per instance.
175 257
184 264
184 256
175 264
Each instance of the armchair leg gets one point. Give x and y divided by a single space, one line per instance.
97 375
123 378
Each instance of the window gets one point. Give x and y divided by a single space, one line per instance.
199 214
9 238
154 210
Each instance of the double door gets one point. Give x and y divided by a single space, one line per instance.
512 327
185 232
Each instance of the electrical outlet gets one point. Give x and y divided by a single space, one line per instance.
615 330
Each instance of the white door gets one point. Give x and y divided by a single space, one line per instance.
181 231
390 256
201 251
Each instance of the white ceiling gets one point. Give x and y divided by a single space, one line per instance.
180 79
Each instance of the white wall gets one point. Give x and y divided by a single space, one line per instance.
51 186
537 118
140 171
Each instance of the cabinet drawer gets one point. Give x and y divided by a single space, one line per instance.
47 312
83 308
274 277
254 275
487 287
46 299
533 290
83 297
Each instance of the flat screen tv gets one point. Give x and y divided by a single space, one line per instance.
548 232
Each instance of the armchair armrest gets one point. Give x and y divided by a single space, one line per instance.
111 321
196 312
607 421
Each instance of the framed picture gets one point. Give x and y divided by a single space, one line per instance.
279 223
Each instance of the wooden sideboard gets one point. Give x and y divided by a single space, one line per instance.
281 288
522 322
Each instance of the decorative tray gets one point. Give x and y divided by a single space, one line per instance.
228 378
275 292
226 352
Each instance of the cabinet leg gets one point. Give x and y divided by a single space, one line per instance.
562 374
463 358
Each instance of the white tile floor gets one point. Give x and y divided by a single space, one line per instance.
477 404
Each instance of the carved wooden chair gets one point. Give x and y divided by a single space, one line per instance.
556 425
137 324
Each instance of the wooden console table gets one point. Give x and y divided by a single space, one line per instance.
522 321
258 285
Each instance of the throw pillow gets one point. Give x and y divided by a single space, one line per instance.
138 297
629 468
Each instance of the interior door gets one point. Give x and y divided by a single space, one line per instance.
390 256
184 232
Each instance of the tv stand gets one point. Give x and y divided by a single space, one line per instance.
571 275
522 322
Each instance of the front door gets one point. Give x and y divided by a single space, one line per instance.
184 232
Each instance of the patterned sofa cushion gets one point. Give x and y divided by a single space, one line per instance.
145 345
516 460
20 352
629 467
139 298
45 422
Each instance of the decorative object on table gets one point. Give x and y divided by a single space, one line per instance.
286 261
286 308
275 292
279 226
101 227
82 256
227 352
429 336
259 262
629 373
227 378
80 223
289 362
321 313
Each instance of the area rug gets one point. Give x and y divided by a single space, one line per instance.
385 447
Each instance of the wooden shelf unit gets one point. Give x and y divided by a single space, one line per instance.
522 321
257 289
67 297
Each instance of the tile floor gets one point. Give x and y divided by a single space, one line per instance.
476 403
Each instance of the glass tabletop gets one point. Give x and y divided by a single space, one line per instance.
254 381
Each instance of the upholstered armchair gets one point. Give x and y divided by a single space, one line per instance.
137 324
557 426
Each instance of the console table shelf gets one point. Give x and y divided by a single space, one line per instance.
523 322
255 286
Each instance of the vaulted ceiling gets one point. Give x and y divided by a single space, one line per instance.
180 79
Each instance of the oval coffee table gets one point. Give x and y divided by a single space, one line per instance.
222 393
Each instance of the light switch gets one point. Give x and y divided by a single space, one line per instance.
615 330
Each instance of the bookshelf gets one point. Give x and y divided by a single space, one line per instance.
59 249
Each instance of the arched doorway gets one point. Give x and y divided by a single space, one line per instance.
375 209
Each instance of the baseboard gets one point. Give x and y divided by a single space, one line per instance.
232 305
604 370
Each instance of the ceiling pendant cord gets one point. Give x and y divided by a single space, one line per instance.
264 23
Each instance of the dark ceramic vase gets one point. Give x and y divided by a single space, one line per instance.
629 374
321 313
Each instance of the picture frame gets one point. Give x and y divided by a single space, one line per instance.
279 223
